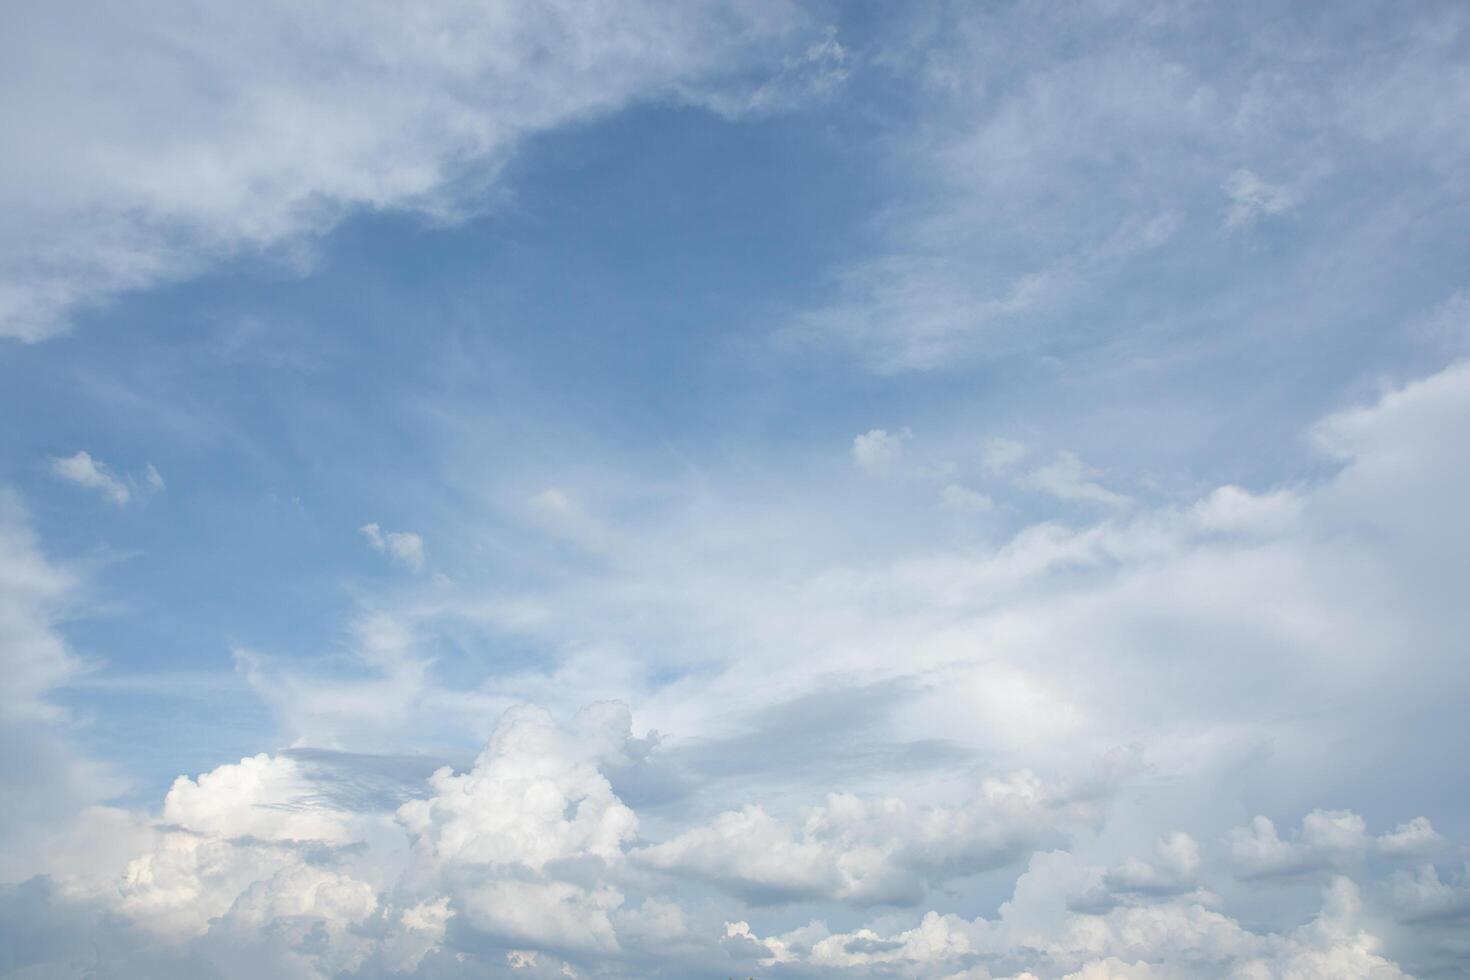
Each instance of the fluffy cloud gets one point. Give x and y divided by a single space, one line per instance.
534 800
235 831
255 859
1168 941
873 850
1037 647
265 797
1176 868
1421 896
1327 839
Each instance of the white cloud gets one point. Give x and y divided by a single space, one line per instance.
772 949
1421 896
553 504
419 930
1176 868
878 450
960 497
1055 148
200 132
534 798
1178 940
404 547
1327 839
868 850
53 820
263 796
33 595
1036 648
1000 455
84 471
1068 478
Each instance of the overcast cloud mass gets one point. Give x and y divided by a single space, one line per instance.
752 488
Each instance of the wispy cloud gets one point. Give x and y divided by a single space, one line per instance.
419 112
83 470
404 547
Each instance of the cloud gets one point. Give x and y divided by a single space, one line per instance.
900 674
1176 868
404 547
878 450
872 850
34 593
1251 199
1068 478
902 314
134 173
1054 150
263 796
962 498
1172 940
1420 896
533 800
84 471
999 455
257 859
1327 839
54 819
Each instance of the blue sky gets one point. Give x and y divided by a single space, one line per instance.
940 490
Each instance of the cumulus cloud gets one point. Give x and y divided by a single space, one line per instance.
534 799
259 859
1176 868
1419 895
263 796
1327 839
404 547
1170 941
1037 647
873 850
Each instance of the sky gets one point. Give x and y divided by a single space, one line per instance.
759 488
